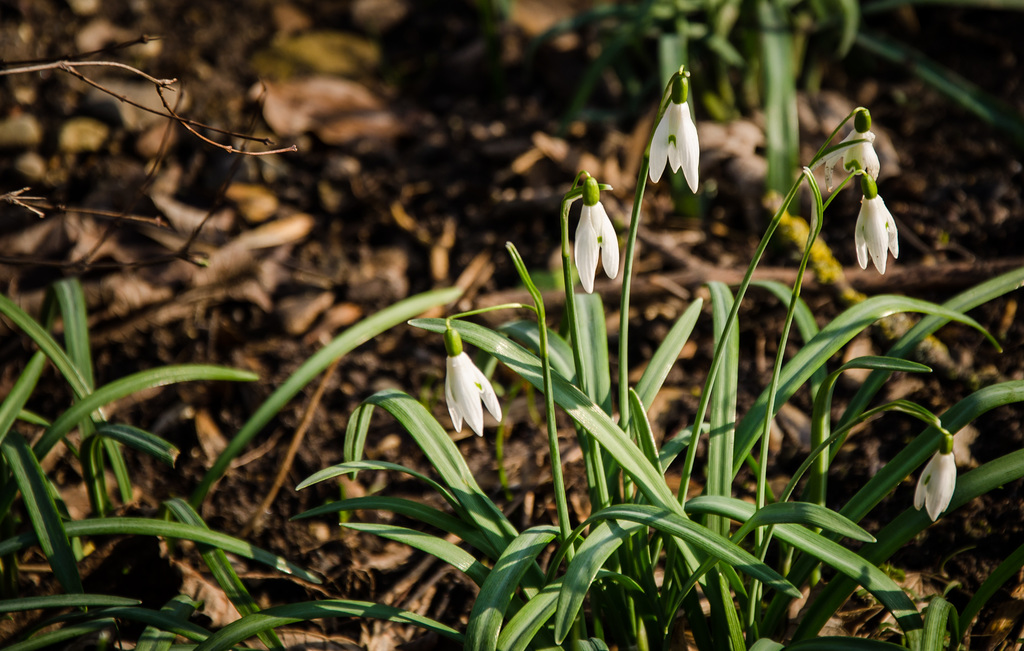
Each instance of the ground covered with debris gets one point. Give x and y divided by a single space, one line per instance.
414 161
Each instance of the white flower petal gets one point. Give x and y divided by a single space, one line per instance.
861 244
607 239
586 249
675 131
936 485
465 393
689 149
453 410
878 230
659 150
490 399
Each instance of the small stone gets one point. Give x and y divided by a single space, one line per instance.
31 166
20 132
255 202
84 7
82 134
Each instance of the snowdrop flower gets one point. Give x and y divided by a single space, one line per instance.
675 139
465 387
595 234
875 230
937 482
860 157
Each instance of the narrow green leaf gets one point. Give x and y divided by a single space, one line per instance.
826 343
802 513
46 344
223 573
1003 573
525 624
578 406
437 547
141 440
42 511
526 333
642 427
407 508
180 608
304 611
355 336
12 405
64 601
71 299
355 431
354 467
53 638
500 585
130 526
724 393
937 616
781 128
665 356
448 462
594 346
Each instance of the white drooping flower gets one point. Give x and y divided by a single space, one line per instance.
466 387
675 139
936 485
875 232
859 156
595 235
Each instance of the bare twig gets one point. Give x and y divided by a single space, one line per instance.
16 197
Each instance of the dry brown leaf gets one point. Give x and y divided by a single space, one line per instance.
336 110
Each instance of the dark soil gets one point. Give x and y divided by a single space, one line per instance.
463 167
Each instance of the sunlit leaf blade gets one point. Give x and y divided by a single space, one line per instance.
353 467
724 393
667 353
355 336
500 585
180 608
642 427
781 128
355 431
440 548
938 616
52 639
525 624
860 570
594 348
526 333
954 86
580 408
304 611
47 344
802 513
963 302
1009 568
64 601
449 464
162 619
71 299
828 341
42 512
141 440
223 573
908 524
134 383
130 526
406 508
11 406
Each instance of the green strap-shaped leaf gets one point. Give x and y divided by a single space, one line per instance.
665 356
446 459
859 569
355 336
498 588
939 615
53 638
525 624
802 513
594 346
129 526
12 405
722 415
353 467
818 350
908 524
42 511
153 638
47 344
141 440
526 333
71 299
64 601
578 406
1003 573
300 612
407 508
356 430
440 548
223 573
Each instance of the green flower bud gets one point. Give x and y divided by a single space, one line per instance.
453 342
680 90
868 186
862 120
591 192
